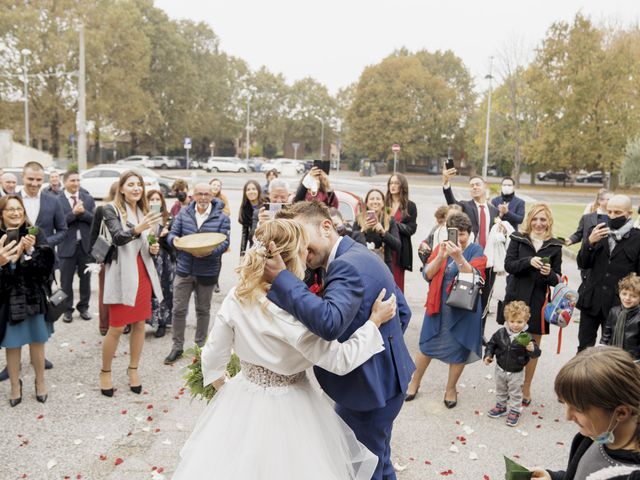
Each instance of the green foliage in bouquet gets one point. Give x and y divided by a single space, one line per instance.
193 376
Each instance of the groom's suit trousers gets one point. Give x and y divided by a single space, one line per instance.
373 429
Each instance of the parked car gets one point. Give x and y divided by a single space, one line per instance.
350 205
283 163
161 161
133 160
591 177
226 164
254 164
98 180
550 176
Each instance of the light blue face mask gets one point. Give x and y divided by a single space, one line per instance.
607 438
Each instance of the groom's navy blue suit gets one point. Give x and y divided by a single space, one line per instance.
369 398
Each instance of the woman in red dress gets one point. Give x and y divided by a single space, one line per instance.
130 275
404 212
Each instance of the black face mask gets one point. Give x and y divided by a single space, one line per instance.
618 222
182 196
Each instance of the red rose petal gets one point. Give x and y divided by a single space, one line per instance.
485 477
154 468
103 457
156 430
40 417
118 461
538 426
160 470
515 455
534 413
427 462
149 419
165 410
411 459
149 407
123 412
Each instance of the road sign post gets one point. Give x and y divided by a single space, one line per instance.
295 150
395 148
187 147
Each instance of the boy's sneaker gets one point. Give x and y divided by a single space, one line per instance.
513 418
498 411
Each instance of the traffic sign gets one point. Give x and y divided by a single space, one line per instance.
395 148
187 143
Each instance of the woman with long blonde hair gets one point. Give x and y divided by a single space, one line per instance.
534 260
379 228
269 421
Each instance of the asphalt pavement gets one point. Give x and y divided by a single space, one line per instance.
79 433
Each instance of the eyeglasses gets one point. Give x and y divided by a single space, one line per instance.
14 210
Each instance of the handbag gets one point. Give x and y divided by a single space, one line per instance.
102 245
465 292
56 304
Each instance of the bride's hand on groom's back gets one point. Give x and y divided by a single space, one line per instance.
383 310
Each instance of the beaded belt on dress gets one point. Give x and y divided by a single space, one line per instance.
267 378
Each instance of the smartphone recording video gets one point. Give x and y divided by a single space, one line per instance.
324 165
452 235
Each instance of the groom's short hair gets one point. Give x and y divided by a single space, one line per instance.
314 212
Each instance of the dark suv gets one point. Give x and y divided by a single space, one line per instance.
550 176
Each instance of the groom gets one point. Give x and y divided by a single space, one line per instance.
369 398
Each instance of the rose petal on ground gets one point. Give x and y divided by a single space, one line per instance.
399 468
166 442
139 418
146 429
427 462
485 477
40 417
149 407
468 430
64 345
481 445
488 377
77 441
473 456
525 434
103 457
51 463
100 437
149 419
123 412
179 426
118 461
79 396
454 449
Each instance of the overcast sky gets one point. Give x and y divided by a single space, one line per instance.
333 40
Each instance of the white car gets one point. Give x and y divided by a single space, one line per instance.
98 180
226 164
283 163
162 162
133 160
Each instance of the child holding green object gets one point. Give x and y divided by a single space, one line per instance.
512 347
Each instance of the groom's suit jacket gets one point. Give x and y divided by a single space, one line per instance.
352 283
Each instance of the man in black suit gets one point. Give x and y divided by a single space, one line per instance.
482 215
78 207
44 211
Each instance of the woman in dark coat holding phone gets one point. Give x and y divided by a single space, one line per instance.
405 213
26 266
534 260
380 229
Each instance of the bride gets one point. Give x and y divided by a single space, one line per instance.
268 422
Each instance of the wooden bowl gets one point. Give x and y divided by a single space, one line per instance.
200 244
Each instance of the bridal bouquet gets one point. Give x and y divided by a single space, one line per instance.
193 376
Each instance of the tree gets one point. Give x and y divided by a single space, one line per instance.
420 101
630 169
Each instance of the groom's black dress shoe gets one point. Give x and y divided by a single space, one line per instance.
173 356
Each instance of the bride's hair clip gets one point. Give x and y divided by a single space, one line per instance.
259 248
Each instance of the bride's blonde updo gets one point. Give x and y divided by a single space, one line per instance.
289 237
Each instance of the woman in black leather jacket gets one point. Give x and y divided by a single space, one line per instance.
25 275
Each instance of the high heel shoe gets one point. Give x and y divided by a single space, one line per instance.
411 396
40 398
16 401
450 403
107 392
134 388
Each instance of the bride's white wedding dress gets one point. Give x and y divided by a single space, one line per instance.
269 422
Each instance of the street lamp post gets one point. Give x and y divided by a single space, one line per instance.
248 127
321 138
295 146
82 103
485 163
25 53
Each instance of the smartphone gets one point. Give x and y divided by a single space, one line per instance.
603 218
452 235
155 208
371 215
324 165
12 234
275 207
449 163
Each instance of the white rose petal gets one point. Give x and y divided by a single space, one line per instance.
79 396
179 426
473 456
146 429
525 434
77 441
468 430
166 442
461 385
454 449
100 437
488 377
481 445
65 344
51 463
139 418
